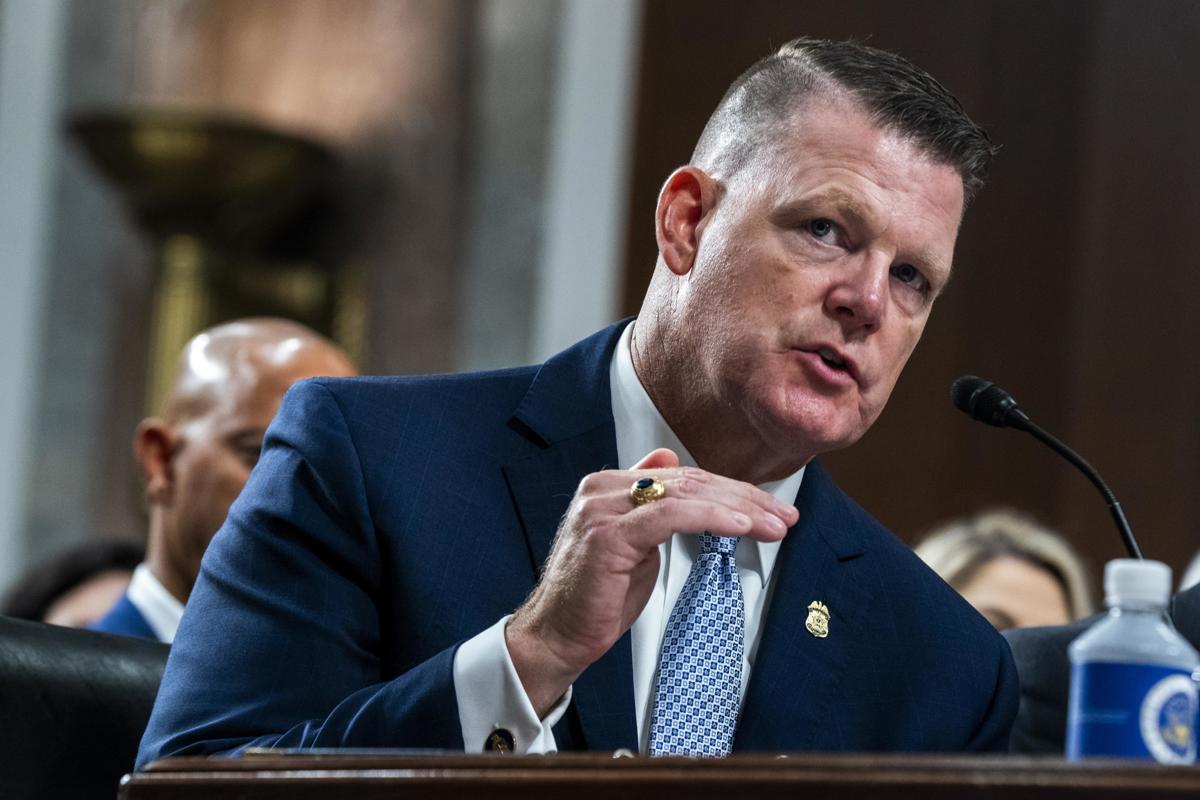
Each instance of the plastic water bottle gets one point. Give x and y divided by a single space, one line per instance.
1133 690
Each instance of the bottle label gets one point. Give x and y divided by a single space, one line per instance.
1141 711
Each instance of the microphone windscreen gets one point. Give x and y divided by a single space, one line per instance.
985 401
965 390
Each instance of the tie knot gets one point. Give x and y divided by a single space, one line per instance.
711 544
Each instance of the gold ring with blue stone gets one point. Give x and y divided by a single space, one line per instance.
647 490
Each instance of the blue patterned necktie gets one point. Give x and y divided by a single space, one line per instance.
700 670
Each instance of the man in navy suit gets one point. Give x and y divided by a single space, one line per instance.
197 455
494 561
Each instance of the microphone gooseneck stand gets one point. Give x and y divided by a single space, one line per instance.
986 402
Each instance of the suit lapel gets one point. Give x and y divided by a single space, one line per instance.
566 416
543 484
795 673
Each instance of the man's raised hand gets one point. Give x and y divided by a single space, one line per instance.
604 563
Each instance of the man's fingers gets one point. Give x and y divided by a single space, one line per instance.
770 521
696 500
608 492
662 458
687 482
694 482
653 523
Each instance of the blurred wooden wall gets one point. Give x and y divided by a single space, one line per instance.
438 113
1076 278
384 83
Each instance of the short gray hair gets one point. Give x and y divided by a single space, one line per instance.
897 94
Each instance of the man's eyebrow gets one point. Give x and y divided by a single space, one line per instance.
841 201
933 261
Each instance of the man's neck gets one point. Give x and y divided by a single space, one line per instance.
161 568
720 441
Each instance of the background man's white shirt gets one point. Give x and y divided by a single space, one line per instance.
159 607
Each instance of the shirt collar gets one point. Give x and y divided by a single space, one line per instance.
159 607
641 428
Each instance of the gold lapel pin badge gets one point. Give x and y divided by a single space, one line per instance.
818 619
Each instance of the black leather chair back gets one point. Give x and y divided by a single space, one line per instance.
73 705
1045 674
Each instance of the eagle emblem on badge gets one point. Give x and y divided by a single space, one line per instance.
818 619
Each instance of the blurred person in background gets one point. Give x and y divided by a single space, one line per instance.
196 457
75 587
1015 572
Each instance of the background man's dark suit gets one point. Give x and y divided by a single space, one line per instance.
1045 670
390 519
125 619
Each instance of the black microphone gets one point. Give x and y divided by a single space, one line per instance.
985 401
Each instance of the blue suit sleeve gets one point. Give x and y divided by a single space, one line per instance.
282 642
993 731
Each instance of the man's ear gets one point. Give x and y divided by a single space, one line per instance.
154 448
683 204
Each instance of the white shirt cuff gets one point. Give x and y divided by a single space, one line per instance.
490 696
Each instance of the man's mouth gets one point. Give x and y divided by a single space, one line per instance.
831 358
834 361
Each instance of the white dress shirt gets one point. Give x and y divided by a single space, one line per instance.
488 690
159 607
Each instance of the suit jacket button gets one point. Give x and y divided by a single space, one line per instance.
500 741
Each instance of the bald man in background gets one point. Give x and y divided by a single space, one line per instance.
196 457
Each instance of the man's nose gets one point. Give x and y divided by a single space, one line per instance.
859 296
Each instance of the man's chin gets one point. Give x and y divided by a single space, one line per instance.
809 437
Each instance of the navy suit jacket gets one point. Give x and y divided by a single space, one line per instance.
390 519
125 619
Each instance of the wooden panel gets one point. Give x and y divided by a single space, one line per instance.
1134 370
586 776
